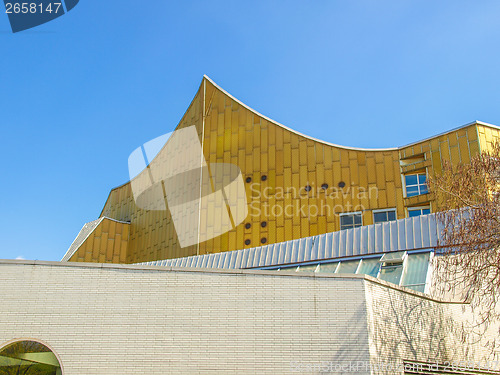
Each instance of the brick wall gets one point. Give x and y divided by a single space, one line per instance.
126 320
117 319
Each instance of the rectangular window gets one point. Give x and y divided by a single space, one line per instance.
392 264
352 220
415 274
328 267
308 268
416 184
348 266
370 266
417 211
384 215
391 273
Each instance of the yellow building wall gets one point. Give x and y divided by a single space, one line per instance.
280 164
488 136
107 243
152 232
455 147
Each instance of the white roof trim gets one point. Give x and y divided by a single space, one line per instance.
477 122
292 130
339 146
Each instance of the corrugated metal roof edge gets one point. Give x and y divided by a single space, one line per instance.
257 257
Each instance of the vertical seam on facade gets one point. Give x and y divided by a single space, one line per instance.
478 139
204 93
468 144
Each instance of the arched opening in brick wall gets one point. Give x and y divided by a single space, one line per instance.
28 357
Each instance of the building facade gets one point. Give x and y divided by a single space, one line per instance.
295 186
327 267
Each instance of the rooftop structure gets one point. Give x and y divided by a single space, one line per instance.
295 186
241 246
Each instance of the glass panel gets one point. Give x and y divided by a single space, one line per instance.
370 266
292 268
348 266
379 217
426 211
391 215
391 273
413 213
411 180
416 269
422 178
328 267
308 268
412 191
393 256
29 358
346 220
357 220
423 189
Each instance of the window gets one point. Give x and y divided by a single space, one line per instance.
415 275
392 264
348 266
369 266
416 184
417 211
307 268
382 216
398 267
348 221
393 257
328 267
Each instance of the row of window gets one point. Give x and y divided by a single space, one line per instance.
355 219
400 268
415 184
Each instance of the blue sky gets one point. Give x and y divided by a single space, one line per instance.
79 94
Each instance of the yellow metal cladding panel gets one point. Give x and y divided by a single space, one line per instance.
487 137
455 147
291 162
296 186
104 243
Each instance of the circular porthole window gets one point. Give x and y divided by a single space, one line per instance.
28 358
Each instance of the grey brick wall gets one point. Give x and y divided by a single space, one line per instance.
117 319
112 320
